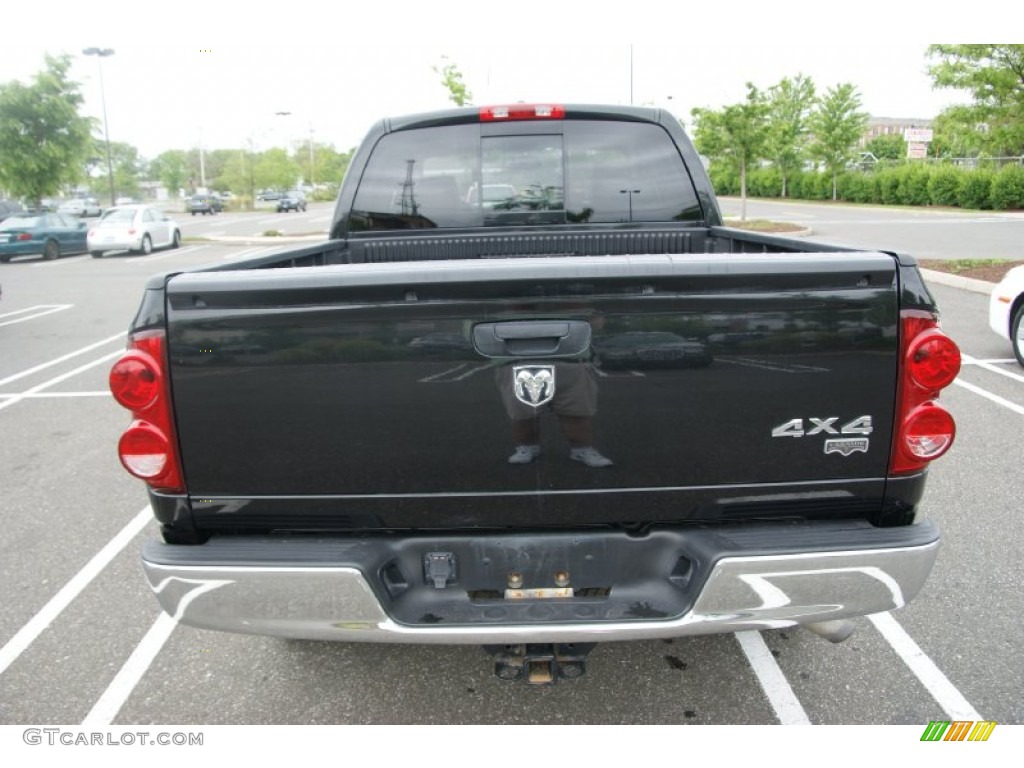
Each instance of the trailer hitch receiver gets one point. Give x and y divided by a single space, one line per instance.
540 663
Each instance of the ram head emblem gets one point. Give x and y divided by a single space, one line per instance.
534 384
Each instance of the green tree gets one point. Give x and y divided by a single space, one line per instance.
451 79
237 175
789 108
329 165
994 76
957 133
128 167
736 135
171 168
215 160
44 141
273 169
888 146
837 125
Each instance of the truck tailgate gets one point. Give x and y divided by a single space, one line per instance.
383 395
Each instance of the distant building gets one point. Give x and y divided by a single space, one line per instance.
881 126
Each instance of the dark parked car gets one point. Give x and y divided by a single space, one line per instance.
205 203
292 201
9 208
49 234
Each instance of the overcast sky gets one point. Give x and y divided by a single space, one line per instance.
196 73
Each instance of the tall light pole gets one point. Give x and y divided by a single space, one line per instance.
102 53
283 114
312 173
310 179
202 161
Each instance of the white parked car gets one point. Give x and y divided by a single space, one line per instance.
139 228
1006 310
87 206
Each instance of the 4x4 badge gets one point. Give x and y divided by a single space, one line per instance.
534 384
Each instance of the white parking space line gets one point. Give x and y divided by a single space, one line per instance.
787 707
58 394
61 359
40 310
989 396
26 309
944 692
989 365
968 360
166 255
59 262
58 379
49 612
110 702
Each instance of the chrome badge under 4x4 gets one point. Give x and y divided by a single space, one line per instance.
827 427
534 384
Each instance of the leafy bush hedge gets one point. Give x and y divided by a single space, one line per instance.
1007 189
328 194
239 203
944 186
911 183
975 189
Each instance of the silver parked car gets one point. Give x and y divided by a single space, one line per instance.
84 206
139 228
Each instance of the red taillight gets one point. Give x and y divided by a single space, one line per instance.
933 360
522 112
23 236
137 381
928 432
930 361
144 450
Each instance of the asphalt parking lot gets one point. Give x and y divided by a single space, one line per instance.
82 641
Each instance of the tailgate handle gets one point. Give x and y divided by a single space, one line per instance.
532 338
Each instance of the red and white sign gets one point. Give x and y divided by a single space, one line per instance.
917 135
917 151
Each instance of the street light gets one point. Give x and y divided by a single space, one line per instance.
310 180
102 53
312 164
283 114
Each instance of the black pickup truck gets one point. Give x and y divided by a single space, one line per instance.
532 394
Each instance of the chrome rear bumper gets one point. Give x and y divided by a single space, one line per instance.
325 602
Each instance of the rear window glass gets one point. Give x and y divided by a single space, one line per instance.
119 215
582 172
19 222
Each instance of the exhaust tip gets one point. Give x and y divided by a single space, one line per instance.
834 631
